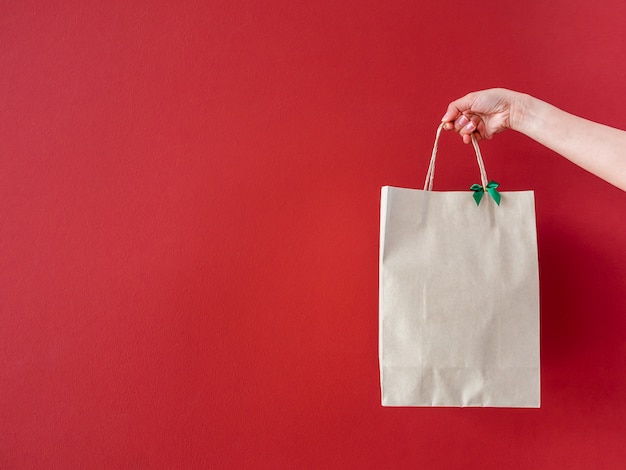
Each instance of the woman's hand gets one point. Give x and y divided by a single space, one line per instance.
485 112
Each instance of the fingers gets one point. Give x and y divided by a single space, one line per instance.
467 131
452 114
461 122
458 118
458 107
465 125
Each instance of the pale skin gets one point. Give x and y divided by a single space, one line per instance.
595 147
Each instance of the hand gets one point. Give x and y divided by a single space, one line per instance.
484 113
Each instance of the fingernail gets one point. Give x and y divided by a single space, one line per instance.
462 121
470 127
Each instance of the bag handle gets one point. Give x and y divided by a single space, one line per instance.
430 176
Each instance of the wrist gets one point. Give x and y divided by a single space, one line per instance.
521 110
526 110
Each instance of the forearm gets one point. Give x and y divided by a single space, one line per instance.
597 148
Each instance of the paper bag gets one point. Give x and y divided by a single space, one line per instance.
459 296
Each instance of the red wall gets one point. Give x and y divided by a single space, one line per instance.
189 197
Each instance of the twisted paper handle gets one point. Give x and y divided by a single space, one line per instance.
487 186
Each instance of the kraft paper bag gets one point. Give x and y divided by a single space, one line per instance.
459 296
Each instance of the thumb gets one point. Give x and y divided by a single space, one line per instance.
458 107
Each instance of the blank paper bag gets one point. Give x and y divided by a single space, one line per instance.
459 296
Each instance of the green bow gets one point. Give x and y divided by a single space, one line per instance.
490 188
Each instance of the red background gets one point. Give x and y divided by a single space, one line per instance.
189 197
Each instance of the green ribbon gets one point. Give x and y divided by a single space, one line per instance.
490 188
